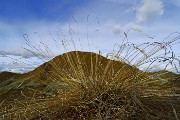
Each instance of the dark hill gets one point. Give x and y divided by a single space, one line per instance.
7 75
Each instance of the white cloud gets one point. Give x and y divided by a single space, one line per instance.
117 29
18 64
16 68
23 53
27 53
149 10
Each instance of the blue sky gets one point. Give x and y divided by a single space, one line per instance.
51 10
96 25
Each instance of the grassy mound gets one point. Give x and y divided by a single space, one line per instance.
85 85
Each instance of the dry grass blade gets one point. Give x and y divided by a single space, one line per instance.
86 85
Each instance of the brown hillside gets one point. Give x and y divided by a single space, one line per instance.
82 85
6 75
78 65
74 65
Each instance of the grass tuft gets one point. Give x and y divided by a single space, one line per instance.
86 85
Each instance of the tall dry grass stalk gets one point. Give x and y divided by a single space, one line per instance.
85 85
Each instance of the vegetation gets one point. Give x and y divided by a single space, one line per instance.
86 85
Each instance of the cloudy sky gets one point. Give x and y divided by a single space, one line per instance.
92 24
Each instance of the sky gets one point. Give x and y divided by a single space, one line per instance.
93 25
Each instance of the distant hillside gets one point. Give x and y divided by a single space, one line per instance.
173 78
7 75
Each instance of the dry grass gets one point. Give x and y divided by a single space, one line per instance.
85 85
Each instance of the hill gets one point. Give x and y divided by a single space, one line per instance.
86 77
6 75
74 65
